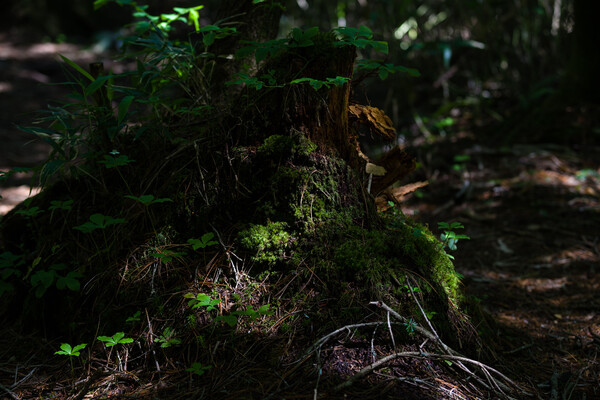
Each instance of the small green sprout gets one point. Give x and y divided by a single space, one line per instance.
203 242
134 318
117 338
113 162
201 300
166 256
410 326
148 199
98 221
198 369
67 350
167 338
449 238
61 205
30 212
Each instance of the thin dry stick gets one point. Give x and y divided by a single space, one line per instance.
423 312
17 384
389 324
325 338
416 354
11 394
417 327
439 341
151 334
454 354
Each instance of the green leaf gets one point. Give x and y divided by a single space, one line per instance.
70 281
5 287
365 31
112 162
194 17
60 205
42 280
96 84
67 350
99 221
117 338
124 108
380 46
77 68
208 38
99 3
230 320
148 199
135 317
198 368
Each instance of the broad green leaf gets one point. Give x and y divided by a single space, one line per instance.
208 39
124 108
99 3
365 31
230 320
79 347
71 281
380 46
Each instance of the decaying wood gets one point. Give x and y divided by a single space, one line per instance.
396 164
397 194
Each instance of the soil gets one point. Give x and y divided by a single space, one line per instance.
533 258
531 212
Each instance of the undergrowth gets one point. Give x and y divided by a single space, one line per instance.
157 224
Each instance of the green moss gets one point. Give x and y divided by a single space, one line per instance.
269 243
427 253
276 146
286 147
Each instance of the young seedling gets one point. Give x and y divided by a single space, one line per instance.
198 369
167 338
99 221
115 160
202 243
166 255
67 350
134 318
147 200
449 238
117 338
410 326
201 300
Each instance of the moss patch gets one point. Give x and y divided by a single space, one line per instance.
268 243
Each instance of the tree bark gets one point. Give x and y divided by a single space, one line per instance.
584 76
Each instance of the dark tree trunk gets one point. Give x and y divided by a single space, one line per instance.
584 76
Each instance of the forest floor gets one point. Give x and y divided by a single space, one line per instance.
532 213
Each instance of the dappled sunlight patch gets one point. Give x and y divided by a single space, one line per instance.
11 196
541 284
